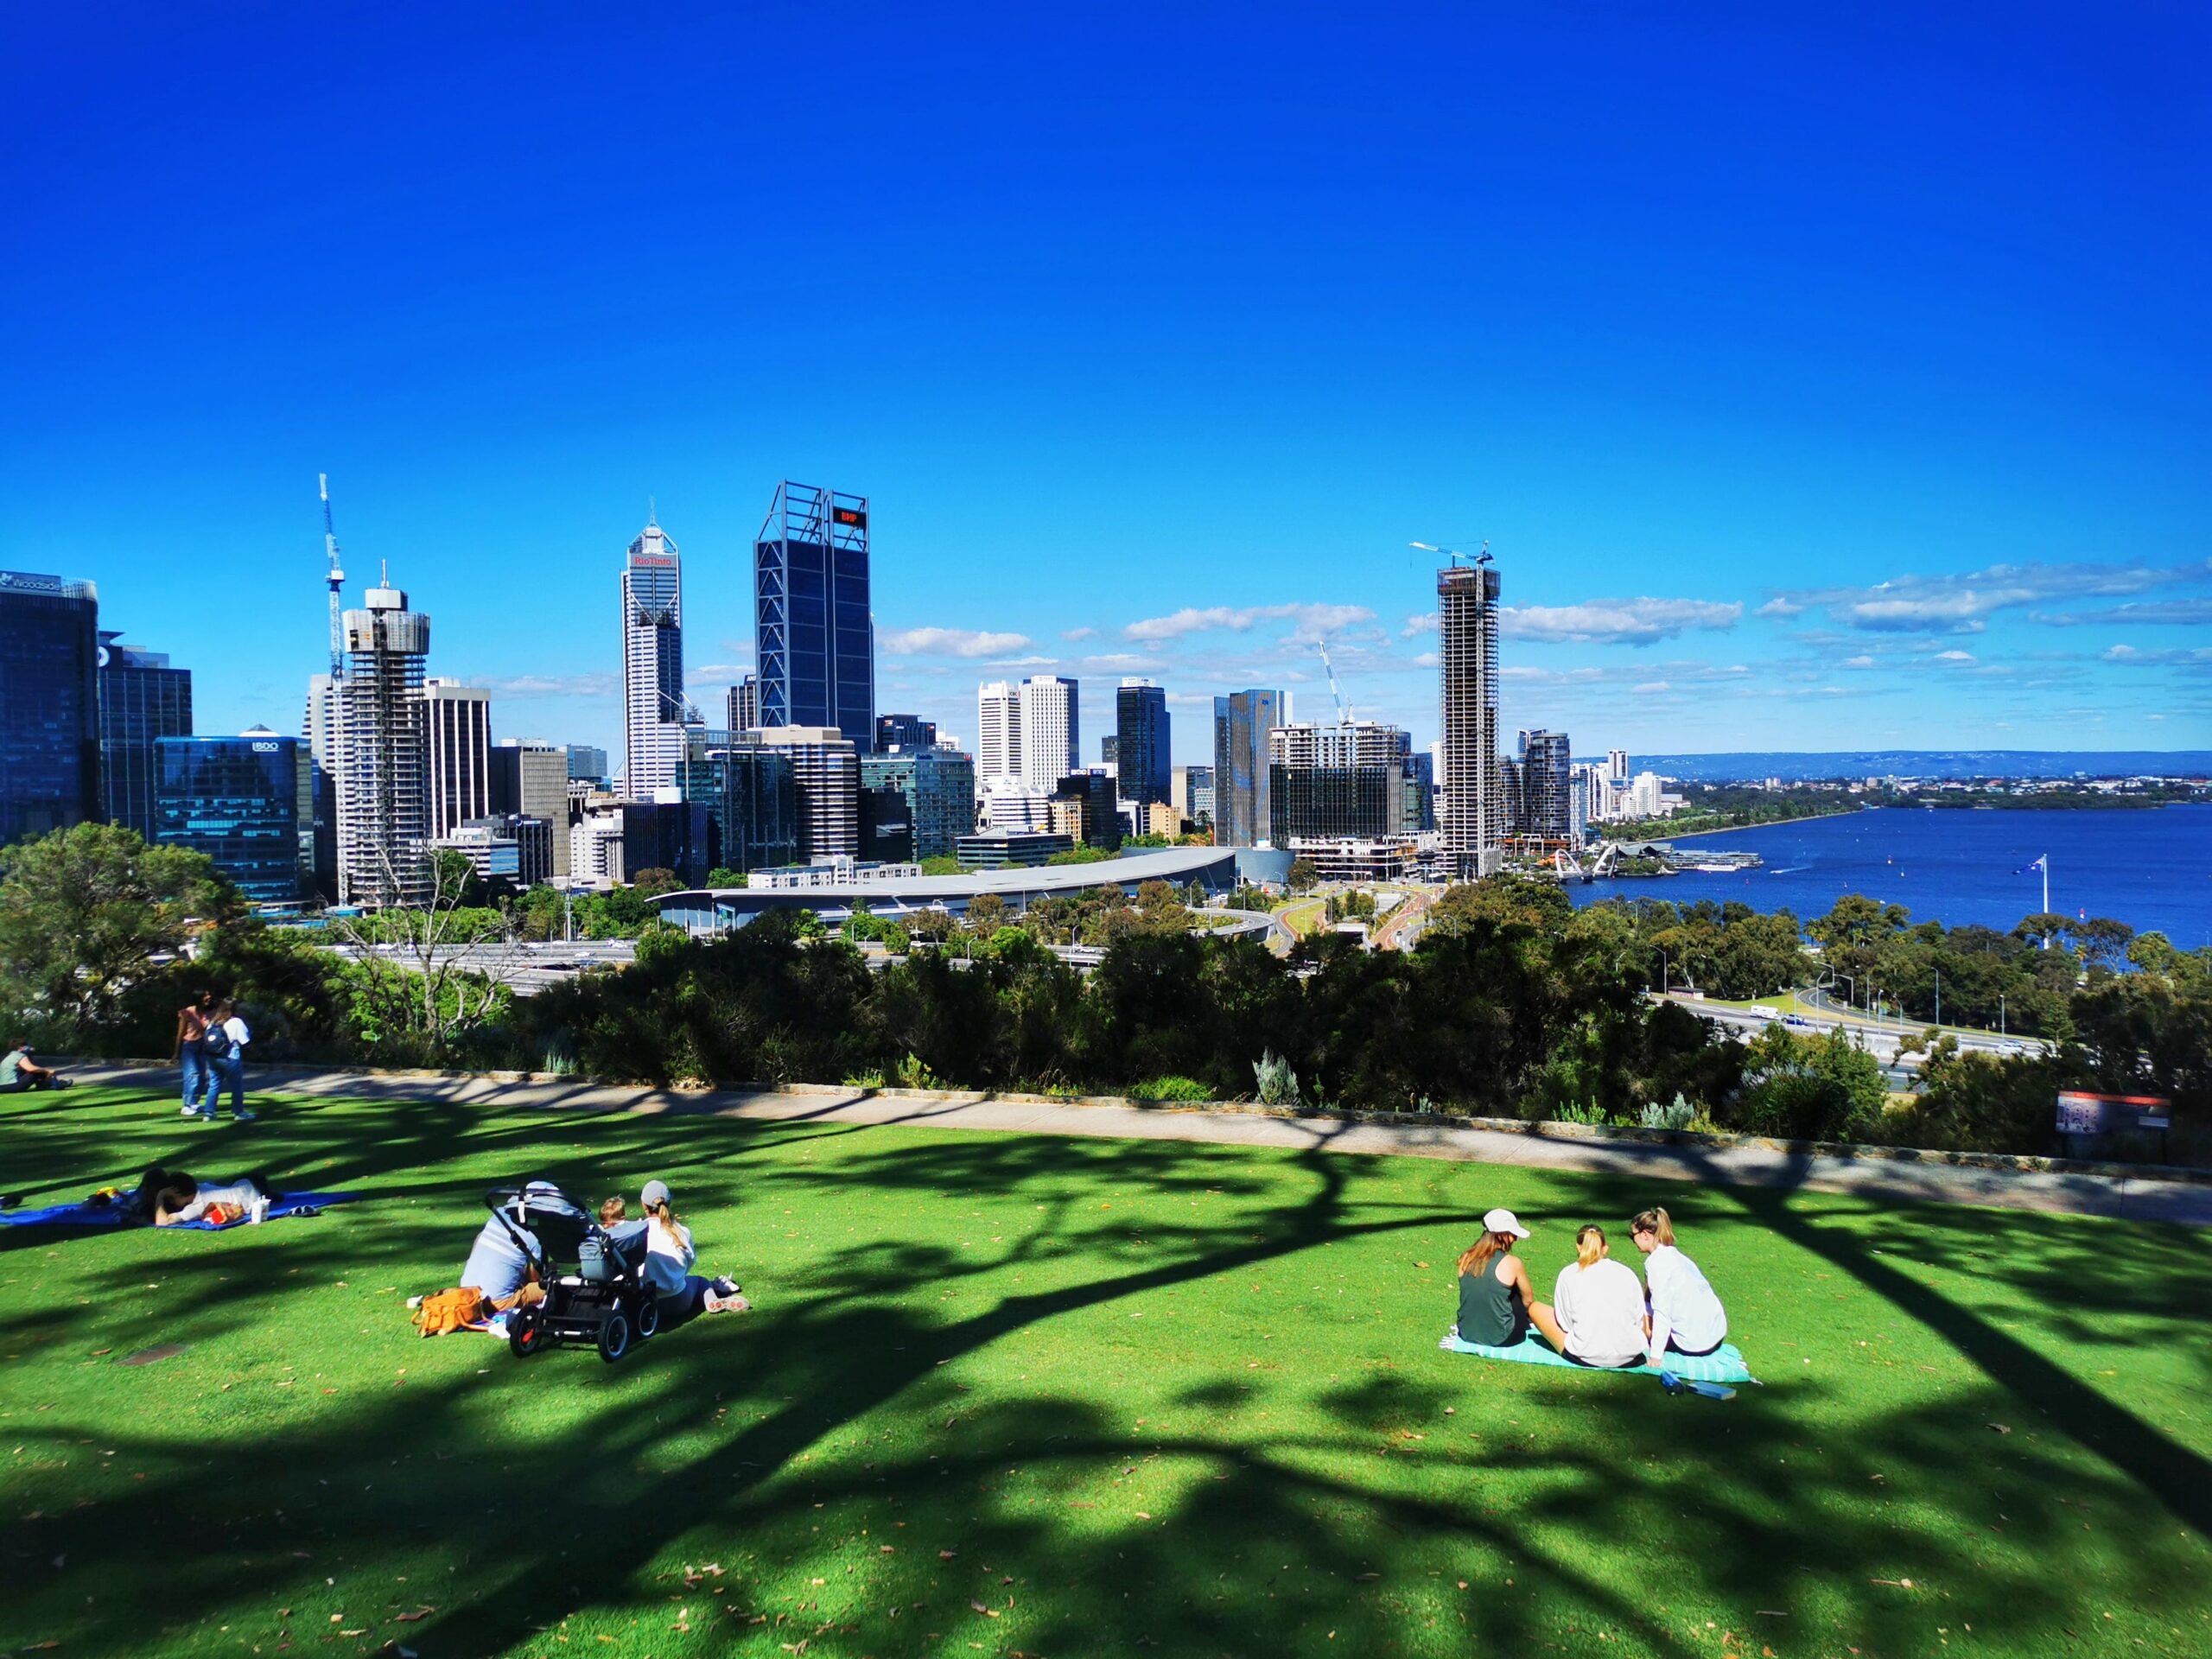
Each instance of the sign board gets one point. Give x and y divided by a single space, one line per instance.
2081 1113
22 582
851 518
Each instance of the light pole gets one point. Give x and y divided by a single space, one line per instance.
2000 1015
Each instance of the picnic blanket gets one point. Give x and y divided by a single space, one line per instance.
87 1213
1723 1365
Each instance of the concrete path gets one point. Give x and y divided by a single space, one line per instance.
1927 1179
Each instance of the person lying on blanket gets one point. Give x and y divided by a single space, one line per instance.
1686 1316
1599 1306
184 1198
1496 1302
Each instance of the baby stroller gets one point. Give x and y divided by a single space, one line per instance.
594 1282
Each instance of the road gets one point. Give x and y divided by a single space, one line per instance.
1882 1041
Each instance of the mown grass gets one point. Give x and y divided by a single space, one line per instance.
1019 1394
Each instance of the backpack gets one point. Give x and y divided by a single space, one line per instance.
215 1042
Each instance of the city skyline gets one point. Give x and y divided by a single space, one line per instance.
1866 447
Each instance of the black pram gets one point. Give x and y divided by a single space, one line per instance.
594 1280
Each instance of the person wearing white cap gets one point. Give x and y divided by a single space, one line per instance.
669 1259
1497 1304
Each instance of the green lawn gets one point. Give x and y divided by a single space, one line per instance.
1064 1396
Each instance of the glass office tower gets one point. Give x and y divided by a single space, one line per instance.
814 639
143 699
248 803
49 704
1140 747
1242 721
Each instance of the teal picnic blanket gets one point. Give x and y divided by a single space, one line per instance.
1723 1365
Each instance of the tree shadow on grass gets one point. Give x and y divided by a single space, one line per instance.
769 1443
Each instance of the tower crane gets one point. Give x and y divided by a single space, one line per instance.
337 580
1453 555
1343 709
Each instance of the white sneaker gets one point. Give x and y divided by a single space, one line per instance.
184 1111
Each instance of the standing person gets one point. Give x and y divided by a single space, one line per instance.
669 1258
223 1041
1600 1306
1686 1316
1496 1302
191 1029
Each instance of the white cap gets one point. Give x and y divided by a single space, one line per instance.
1505 1221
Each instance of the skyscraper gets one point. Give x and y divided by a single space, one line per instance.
997 732
826 772
813 632
530 781
1546 778
653 708
457 726
745 704
383 752
1051 740
1335 782
320 731
1616 765
939 786
247 802
49 704
142 700
1140 748
904 732
586 761
1240 723
1467 617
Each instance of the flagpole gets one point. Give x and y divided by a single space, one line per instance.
2045 862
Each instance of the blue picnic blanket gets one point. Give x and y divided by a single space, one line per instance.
86 1213
1723 1365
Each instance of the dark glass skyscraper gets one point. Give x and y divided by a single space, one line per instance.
1546 773
143 699
814 637
49 704
939 786
904 732
248 803
1140 747
1242 721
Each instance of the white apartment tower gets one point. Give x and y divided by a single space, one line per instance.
1051 741
998 732
1472 818
457 720
653 708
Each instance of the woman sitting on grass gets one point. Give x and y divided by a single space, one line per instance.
1496 1302
1600 1307
668 1257
1686 1316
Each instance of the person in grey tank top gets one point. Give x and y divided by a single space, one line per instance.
1497 1304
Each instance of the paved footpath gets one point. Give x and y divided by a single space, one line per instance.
1927 1179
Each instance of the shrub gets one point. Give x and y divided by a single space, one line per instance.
1172 1088
912 1073
1675 1114
1573 1112
1275 1083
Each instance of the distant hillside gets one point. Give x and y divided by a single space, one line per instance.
1796 766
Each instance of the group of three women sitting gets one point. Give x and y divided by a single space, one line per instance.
1599 1315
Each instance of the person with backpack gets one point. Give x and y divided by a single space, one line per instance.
223 1043
191 1029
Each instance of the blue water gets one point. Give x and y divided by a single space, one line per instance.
2151 868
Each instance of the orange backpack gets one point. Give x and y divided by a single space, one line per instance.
449 1309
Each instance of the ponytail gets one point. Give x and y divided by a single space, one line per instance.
1655 1222
1488 1245
1589 1245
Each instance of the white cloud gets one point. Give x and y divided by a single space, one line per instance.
1649 688
2200 658
1426 659
949 642
2162 613
1422 624
1963 602
1858 662
1310 620
1123 661
1954 657
1618 622
546 685
1071 635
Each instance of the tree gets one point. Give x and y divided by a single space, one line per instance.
84 913
722 876
448 977
652 883
1303 874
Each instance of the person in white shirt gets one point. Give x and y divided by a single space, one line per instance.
1599 1306
669 1258
223 1045
1685 1316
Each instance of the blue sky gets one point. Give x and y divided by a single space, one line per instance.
1817 383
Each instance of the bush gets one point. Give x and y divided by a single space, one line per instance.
1571 1112
1275 1083
1675 1114
1172 1088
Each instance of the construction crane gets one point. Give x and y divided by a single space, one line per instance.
1453 555
337 580
1343 709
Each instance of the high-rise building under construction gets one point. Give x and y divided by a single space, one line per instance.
1472 823
382 759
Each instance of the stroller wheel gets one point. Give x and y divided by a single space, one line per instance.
648 1314
525 1333
614 1336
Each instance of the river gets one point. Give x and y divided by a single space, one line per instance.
2151 867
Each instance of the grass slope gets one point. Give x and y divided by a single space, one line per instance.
1009 1394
